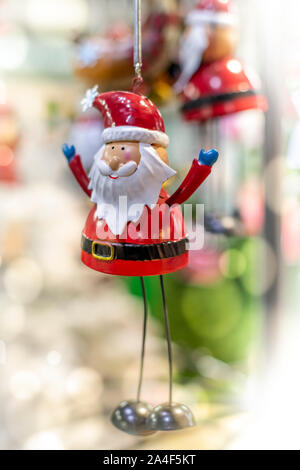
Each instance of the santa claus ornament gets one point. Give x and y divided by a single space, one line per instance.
213 82
135 228
107 58
214 87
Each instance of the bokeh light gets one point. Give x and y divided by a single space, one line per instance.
83 381
44 15
47 440
54 358
12 322
23 280
24 385
232 263
14 49
6 155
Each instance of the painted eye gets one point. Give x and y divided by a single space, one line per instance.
122 148
113 147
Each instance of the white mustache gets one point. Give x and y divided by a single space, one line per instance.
105 169
124 170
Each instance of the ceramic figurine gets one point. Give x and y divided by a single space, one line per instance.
213 82
107 58
135 228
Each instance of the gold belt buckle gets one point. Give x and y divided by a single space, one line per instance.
103 258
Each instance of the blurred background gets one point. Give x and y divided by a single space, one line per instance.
70 337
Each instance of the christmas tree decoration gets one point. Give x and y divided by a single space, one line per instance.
214 87
135 228
221 88
213 82
210 35
106 59
125 184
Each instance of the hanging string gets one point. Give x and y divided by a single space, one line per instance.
137 57
168 336
143 341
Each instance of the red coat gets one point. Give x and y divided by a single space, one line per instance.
142 249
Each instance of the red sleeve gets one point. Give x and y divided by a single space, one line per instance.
80 174
195 177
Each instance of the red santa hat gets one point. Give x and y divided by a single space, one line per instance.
211 11
128 117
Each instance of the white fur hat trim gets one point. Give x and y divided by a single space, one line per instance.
139 134
206 16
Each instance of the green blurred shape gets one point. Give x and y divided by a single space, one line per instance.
221 318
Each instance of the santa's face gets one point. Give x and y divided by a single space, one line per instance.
123 156
132 170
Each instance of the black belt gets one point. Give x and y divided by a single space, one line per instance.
215 99
106 251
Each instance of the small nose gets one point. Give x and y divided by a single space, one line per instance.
114 163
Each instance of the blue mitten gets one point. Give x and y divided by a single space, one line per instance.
68 151
208 158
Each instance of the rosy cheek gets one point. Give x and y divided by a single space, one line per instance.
127 155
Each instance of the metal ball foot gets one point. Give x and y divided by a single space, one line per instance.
131 416
170 417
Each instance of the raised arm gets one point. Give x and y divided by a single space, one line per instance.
199 171
76 167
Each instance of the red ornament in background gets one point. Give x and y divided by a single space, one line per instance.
9 137
208 10
251 203
291 231
107 58
213 82
221 88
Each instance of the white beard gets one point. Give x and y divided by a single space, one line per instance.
191 51
115 198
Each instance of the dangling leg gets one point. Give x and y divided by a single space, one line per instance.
169 416
143 341
131 416
168 336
